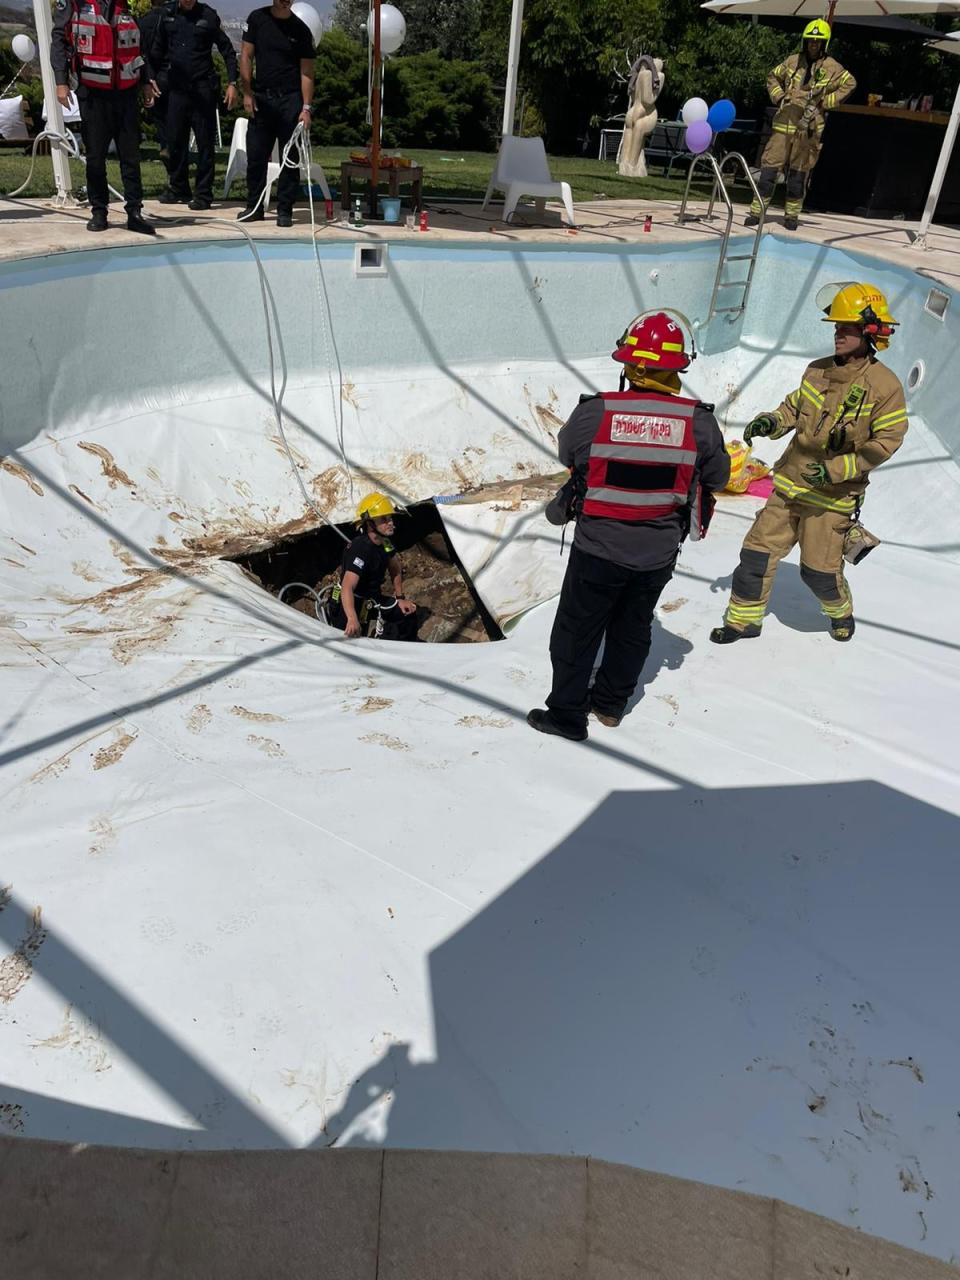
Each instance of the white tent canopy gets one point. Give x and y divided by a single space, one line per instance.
815 8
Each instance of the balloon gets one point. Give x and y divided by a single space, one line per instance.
694 110
721 115
393 28
308 15
24 48
698 137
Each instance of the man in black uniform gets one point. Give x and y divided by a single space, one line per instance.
365 562
99 40
157 113
644 464
281 98
185 36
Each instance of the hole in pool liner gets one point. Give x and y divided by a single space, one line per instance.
449 609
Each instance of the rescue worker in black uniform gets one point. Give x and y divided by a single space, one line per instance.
99 41
157 113
278 98
644 465
358 595
184 41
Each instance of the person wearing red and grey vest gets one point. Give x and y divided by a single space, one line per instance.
644 465
99 42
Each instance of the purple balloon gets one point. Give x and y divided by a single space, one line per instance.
699 136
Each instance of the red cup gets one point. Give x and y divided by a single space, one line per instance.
424 220
328 210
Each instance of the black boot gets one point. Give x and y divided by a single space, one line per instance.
842 629
172 197
251 215
727 634
198 203
136 222
751 220
607 718
544 722
790 224
284 219
98 220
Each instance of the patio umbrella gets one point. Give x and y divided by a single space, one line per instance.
815 8
949 44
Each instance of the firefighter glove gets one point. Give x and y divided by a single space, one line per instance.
764 424
816 474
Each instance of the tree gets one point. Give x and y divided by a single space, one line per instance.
430 101
450 26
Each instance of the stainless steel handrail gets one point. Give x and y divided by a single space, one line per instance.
720 186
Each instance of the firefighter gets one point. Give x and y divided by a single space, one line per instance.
645 462
183 44
357 598
802 88
99 40
847 416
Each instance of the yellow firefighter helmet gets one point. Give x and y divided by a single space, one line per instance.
374 507
856 302
817 30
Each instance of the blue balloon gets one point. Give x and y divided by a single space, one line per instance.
721 115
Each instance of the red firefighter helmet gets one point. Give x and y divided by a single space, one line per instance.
657 339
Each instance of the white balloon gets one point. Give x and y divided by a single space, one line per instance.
393 28
24 48
694 109
308 14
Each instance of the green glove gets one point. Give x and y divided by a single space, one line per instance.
764 424
816 475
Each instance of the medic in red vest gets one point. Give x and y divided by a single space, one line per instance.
642 459
644 462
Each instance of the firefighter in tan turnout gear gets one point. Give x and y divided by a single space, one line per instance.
802 88
847 416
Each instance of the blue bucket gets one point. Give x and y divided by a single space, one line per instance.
390 208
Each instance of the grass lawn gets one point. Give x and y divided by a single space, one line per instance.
446 173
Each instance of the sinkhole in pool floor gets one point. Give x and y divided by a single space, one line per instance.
449 611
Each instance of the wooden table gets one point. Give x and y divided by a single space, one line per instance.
410 176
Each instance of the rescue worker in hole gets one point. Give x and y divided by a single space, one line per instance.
645 463
803 88
99 41
357 597
847 416
183 43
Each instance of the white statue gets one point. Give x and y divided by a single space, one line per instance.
645 84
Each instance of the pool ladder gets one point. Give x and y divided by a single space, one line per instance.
719 186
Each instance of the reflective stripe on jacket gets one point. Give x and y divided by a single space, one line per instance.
642 459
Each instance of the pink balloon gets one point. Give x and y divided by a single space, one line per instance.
699 136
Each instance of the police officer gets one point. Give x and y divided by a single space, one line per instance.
357 597
185 36
157 114
99 41
645 463
279 99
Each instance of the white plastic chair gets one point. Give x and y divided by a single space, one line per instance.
237 162
522 170
316 175
237 165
